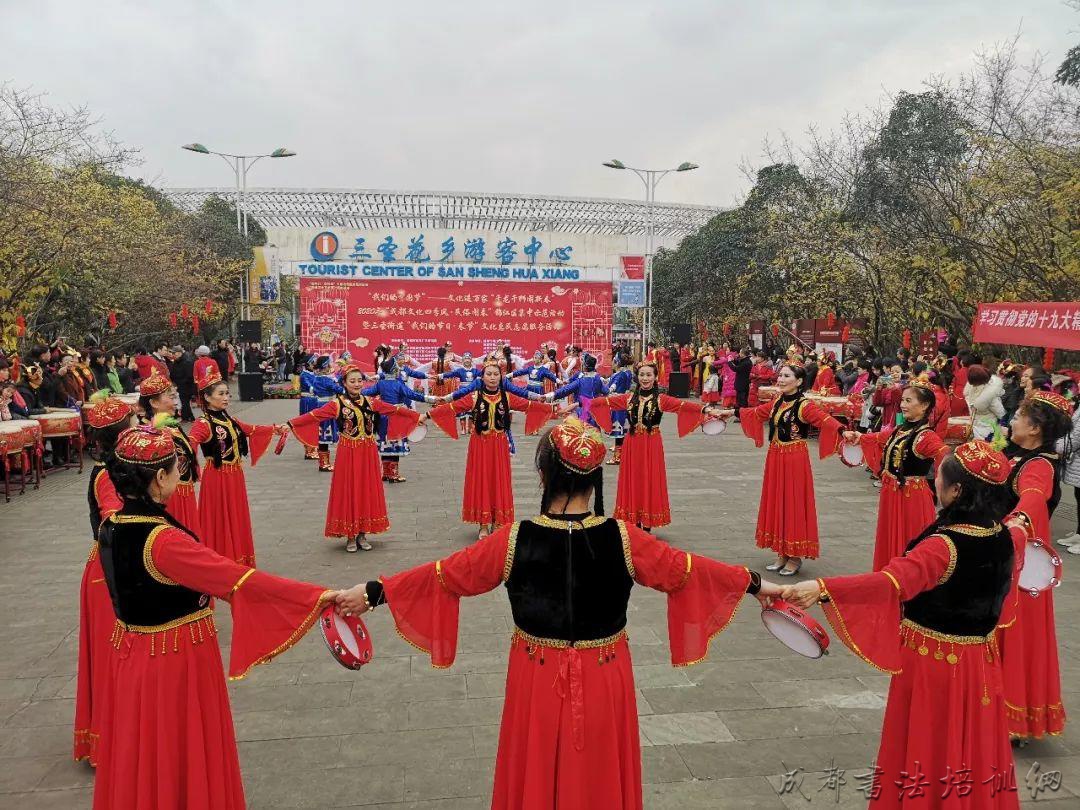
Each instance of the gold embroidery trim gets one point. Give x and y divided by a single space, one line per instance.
974 531
425 651
553 523
118 518
934 634
895 582
148 558
709 640
297 634
511 547
952 560
149 629
841 628
686 576
628 556
562 644
439 576
241 581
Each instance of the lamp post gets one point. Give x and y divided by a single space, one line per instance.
651 178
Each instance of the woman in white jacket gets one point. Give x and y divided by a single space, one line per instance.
1067 449
983 395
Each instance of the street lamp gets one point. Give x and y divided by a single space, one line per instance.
651 178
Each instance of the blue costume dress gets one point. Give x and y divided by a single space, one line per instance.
619 383
537 375
325 387
584 387
392 391
465 377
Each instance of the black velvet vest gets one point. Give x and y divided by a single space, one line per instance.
1020 457
355 418
899 457
139 595
572 586
91 497
644 409
785 421
227 442
969 602
487 418
186 463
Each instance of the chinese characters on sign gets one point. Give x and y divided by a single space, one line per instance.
1048 324
325 246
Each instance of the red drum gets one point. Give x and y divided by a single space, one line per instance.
795 629
834 406
14 436
958 431
851 455
767 393
418 433
713 427
59 423
1042 568
346 637
128 399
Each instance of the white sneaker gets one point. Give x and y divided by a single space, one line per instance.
1074 549
1070 540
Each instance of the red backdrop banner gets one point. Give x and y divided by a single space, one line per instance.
1054 324
338 315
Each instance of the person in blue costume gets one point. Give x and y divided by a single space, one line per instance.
324 387
465 374
308 400
477 384
537 372
392 390
619 383
584 387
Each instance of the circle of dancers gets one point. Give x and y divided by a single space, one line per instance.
944 608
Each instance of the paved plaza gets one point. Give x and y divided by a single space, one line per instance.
399 734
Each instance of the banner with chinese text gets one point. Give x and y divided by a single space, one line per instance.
1048 324
339 315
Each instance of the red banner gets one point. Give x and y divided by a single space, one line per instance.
1050 324
633 267
338 315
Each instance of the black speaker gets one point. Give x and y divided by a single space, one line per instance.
251 386
681 333
679 384
249 331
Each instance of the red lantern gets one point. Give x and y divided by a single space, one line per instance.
172 319
1048 359
20 325
112 319
845 334
776 330
906 340
209 307
195 324
830 320
727 328
185 313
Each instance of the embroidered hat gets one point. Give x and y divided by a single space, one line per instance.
107 411
144 445
581 448
1053 399
981 460
208 375
156 383
349 368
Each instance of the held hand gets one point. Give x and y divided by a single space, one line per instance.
351 602
851 436
768 592
549 396
566 410
284 427
423 418
803 595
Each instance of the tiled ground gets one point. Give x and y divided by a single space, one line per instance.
400 735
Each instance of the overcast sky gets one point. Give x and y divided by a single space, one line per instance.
479 95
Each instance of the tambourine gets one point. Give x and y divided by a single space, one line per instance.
346 637
851 455
281 443
418 433
1042 568
795 629
713 427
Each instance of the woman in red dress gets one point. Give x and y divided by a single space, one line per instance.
171 744
158 400
1029 646
357 505
761 373
569 735
642 498
107 419
928 619
224 441
903 456
825 384
489 491
787 516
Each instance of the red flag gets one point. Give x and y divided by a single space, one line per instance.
172 319
112 319
209 307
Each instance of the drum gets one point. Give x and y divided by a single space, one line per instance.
834 406
958 430
795 629
851 454
128 399
1042 568
59 423
767 393
418 433
713 427
346 637
13 436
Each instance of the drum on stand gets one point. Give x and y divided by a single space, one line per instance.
958 430
62 423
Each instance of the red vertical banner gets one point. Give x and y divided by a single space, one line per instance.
633 267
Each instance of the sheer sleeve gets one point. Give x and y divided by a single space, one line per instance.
872 445
828 426
865 609
269 613
401 419
930 445
753 421
424 600
703 594
536 413
259 438
601 408
445 415
691 413
306 426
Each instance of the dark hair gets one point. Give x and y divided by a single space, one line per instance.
978 374
1052 423
918 367
589 363
926 397
132 481
637 371
387 366
552 354
440 364
205 392
799 372
507 353
147 407
557 479
95 356
103 440
978 502
1040 380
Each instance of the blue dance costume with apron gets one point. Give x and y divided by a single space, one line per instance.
392 391
619 383
537 375
584 387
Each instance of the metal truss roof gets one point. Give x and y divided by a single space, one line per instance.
364 209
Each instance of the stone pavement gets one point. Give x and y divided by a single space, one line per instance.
401 735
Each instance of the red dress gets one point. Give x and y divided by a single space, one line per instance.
787 515
173 746
825 383
760 374
489 490
96 618
569 733
642 498
357 504
944 741
183 505
902 457
223 498
1029 647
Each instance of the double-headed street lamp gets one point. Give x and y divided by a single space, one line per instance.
651 178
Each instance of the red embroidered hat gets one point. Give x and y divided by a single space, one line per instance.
1054 400
349 368
144 445
210 374
107 411
581 448
981 460
156 383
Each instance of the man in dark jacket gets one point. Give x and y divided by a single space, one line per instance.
221 357
741 365
182 374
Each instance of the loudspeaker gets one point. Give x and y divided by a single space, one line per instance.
251 386
679 384
681 333
249 331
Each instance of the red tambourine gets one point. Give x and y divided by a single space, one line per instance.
281 444
347 638
795 629
713 427
1041 570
